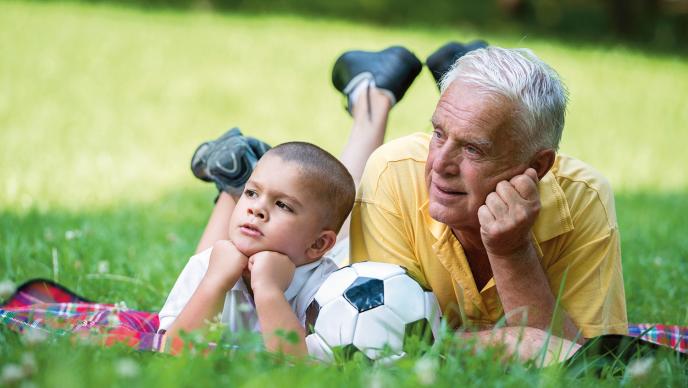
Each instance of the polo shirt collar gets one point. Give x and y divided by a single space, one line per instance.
555 215
301 275
436 228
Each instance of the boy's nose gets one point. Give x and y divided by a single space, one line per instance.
257 212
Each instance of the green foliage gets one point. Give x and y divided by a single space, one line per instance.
59 361
101 108
654 254
650 23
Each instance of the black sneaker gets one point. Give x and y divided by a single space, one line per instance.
393 69
199 160
444 57
228 161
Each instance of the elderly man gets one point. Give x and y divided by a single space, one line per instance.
482 210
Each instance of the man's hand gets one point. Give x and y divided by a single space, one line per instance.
506 221
270 271
226 264
527 344
508 215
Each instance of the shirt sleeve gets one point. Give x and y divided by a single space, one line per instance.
587 274
380 231
183 288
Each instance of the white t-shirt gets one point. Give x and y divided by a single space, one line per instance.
239 311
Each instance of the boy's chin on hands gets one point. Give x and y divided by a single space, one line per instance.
262 255
247 251
270 270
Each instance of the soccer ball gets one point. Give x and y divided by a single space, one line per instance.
372 308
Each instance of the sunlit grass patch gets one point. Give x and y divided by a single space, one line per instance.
100 104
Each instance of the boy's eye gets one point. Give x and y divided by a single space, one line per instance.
250 193
283 205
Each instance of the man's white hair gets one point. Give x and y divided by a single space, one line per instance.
522 78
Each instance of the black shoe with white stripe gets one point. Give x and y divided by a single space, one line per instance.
392 70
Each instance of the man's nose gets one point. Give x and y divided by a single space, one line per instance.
447 160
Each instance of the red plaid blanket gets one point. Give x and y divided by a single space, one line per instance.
43 305
46 306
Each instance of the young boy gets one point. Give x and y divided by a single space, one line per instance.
286 219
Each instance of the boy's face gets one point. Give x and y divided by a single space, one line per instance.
277 213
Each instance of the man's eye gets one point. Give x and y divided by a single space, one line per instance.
437 134
283 205
472 150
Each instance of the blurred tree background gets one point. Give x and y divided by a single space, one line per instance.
658 24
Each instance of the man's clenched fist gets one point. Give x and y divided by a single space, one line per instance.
509 213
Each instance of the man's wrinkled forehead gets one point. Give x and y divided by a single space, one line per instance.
467 108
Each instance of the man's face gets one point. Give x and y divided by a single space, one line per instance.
472 149
276 212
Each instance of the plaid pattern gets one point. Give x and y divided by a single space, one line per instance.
44 305
675 337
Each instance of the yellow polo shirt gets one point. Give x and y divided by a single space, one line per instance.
576 237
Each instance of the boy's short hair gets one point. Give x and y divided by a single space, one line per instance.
327 176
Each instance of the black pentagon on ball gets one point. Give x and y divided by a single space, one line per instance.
365 293
312 313
417 332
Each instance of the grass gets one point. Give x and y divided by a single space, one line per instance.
101 107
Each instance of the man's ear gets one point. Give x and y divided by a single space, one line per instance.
542 162
322 244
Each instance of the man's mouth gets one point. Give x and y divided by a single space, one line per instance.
250 230
444 190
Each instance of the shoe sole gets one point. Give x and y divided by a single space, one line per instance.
342 68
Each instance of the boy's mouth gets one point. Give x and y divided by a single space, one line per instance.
250 230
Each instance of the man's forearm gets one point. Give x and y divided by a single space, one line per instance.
526 295
275 314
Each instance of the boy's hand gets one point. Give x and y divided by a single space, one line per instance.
224 269
270 271
226 264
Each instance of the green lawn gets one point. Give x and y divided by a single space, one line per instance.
101 108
